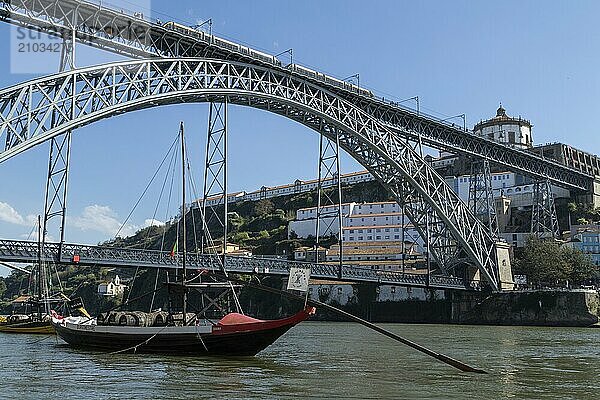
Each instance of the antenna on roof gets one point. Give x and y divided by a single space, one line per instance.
208 21
288 51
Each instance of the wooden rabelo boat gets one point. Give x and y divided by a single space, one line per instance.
178 331
235 334
30 313
26 323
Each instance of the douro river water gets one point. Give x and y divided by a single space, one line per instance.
323 361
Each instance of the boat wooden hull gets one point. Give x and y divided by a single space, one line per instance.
44 327
231 340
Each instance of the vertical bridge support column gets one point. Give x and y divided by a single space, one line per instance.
329 202
55 201
481 195
215 179
214 223
544 222
57 182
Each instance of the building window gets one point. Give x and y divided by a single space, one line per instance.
370 238
378 237
396 236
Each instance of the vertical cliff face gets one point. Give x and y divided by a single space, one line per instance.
541 308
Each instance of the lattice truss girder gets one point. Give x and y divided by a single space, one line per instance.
439 241
117 32
108 29
104 91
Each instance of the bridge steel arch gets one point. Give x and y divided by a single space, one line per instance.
80 97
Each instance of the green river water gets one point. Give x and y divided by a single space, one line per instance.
321 360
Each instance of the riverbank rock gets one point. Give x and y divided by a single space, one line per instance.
540 308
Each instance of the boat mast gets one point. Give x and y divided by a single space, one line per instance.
39 269
183 233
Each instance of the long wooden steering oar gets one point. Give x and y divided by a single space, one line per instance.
438 356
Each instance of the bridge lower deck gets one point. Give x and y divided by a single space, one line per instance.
100 256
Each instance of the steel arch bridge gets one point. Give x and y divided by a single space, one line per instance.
38 110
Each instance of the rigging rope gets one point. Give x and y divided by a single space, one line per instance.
169 151
147 187
134 348
162 190
162 243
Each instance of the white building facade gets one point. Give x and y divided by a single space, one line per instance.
113 288
507 184
298 186
361 223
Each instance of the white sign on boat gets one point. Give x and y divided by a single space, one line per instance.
298 279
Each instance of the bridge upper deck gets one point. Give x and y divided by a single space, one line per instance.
134 36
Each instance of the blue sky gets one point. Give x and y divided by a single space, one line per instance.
541 60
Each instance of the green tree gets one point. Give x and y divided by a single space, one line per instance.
263 207
583 213
545 261
541 261
240 237
582 269
2 288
